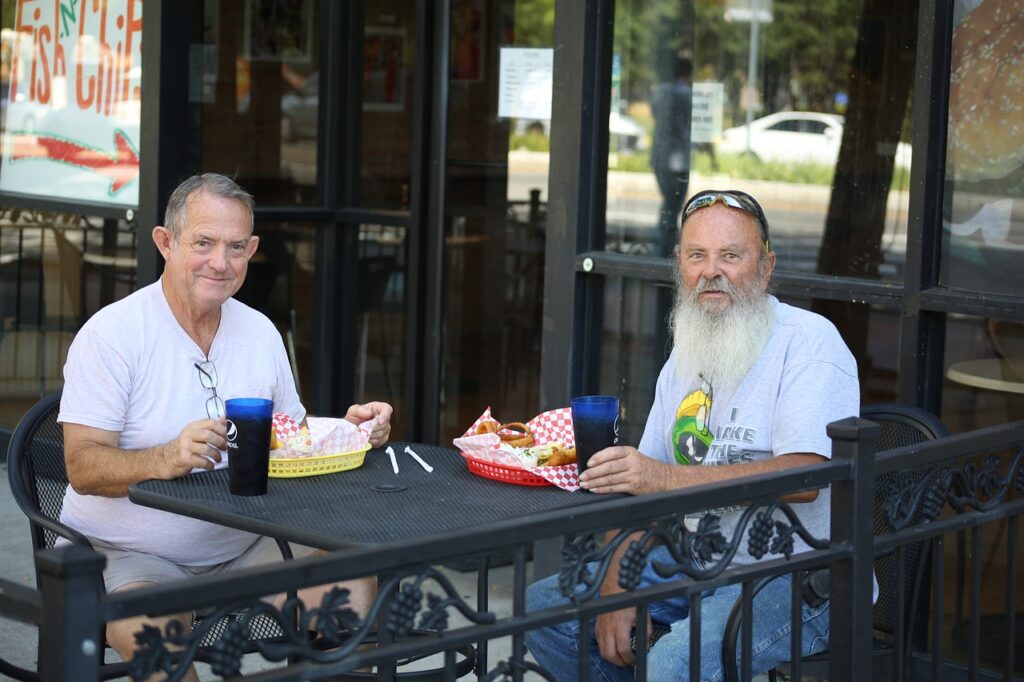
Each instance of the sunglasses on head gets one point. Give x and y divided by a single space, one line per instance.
733 199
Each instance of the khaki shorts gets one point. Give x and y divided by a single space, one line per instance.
125 567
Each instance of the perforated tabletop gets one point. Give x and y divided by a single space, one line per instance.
356 507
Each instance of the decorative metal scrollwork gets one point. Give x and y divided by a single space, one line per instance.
984 487
701 554
577 553
324 634
911 498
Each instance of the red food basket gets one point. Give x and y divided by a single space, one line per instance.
500 472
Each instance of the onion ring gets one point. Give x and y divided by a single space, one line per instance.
520 436
487 427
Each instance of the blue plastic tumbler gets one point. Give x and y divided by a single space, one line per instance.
249 423
595 422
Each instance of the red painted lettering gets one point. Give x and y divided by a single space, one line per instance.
44 83
133 28
83 99
103 61
60 67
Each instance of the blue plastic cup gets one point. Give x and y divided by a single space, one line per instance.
249 423
595 423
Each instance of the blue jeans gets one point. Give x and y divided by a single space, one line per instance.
556 647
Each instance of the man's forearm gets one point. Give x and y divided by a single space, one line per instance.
108 471
688 476
610 584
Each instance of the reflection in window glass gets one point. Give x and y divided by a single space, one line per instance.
804 107
380 357
280 284
984 366
634 345
495 224
56 270
983 239
259 88
389 50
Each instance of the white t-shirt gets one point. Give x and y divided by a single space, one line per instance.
804 378
131 369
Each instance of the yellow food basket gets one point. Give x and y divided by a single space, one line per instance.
294 467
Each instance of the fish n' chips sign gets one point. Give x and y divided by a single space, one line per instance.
73 103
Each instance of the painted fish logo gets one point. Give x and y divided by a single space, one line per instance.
691 434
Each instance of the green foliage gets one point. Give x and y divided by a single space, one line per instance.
746 167
534 23
635 162
531 142
7 8
804 58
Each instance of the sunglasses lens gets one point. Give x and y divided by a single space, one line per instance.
739 201
700 202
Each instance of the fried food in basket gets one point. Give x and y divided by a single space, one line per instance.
516 434
561 455
549 455
302 443
274 443
487 427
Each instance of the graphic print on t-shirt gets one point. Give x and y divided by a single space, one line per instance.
691 432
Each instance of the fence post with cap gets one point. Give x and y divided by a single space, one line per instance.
854 441
70 580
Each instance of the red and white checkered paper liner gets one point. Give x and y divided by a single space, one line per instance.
329 436
553 426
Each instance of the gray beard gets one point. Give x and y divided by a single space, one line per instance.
720 347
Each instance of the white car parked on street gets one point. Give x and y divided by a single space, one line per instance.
795 137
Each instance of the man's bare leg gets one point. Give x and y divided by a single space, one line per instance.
121 633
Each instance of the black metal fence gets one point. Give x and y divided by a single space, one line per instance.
955 487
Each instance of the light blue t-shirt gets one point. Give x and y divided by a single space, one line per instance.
804 379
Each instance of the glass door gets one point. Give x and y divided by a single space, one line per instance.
495 206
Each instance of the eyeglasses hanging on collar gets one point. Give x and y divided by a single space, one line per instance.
208 378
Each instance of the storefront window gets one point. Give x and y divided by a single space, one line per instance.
56 270
280 284
385 141
803 105
257 77
497 179
634 344
983 236
984 372
381 328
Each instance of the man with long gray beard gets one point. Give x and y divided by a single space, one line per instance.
749 388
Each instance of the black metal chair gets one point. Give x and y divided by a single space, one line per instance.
38 480
901 425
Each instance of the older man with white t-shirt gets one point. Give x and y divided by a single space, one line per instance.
749 388
143 398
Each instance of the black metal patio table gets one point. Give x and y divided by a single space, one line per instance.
365 506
